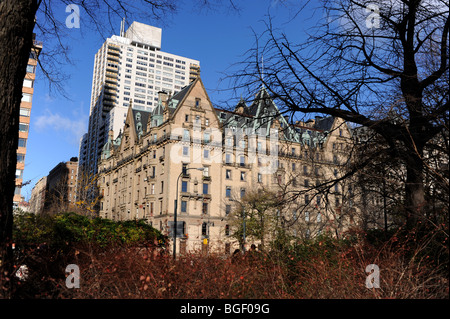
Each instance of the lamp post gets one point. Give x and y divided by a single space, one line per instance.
175 211
244 230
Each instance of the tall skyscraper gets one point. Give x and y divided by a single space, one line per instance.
129 68
24 120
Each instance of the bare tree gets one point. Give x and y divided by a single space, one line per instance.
19 19
257 211
364 61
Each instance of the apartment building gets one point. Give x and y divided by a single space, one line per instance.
61 187
129 66
208 159
37 199
24 120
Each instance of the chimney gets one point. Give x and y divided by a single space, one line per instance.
310 123
163 97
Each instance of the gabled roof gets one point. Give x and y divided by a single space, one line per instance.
324 124
263 114
140 119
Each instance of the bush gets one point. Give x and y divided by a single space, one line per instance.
47 244
114 264
66 229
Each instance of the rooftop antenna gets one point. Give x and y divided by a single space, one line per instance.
262 71
122 27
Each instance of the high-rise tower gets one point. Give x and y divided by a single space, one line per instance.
129 68
24 120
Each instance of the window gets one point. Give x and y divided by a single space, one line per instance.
184 169
207 137
228 191
186 118
20 158
185 150
259 178
184 186
319 217
242 160
227 230
183 206
205 189
227 209
335 160
23 127
31 68
152 208
186 135
305 170
306 183
162 187
207 122
152 189
318 198
306 216
242 192
227 159
306 199
204 229
242 176
228 174
25 112
197 102
259 146
19 173
293 166
197 119
26 97
206 171
205 208
28 83
22 142
205 153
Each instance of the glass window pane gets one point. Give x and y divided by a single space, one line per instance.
28 83
23 127
24 112
26 97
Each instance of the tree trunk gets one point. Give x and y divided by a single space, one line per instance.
16 38
414 190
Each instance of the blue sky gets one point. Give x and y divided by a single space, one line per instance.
218 39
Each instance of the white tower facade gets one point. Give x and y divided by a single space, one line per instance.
130 68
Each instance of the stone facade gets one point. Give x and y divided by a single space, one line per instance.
158 157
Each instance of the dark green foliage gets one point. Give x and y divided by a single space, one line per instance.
68 228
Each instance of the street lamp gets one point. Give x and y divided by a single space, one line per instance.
175 210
